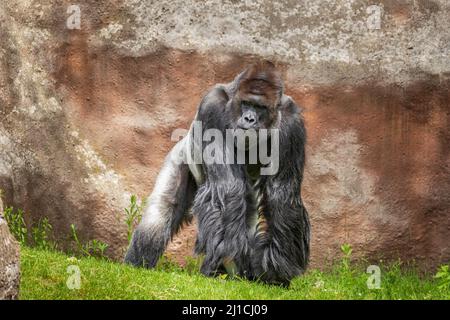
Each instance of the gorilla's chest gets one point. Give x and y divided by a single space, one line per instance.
256 197
253 172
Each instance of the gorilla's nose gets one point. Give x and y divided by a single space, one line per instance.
250 119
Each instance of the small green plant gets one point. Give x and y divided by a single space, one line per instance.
167 264
193 264
93 248
16 224
443 276
347 251
96 248
79 245
133 215
40 234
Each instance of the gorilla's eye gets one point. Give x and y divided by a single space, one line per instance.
260 107
245 103
250 104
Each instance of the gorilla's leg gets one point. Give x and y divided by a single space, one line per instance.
237 209
210 230
166 210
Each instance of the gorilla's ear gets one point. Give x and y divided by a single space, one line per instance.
263 79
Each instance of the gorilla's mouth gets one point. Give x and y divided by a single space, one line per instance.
243 127
255 128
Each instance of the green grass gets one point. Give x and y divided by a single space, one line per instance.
44 276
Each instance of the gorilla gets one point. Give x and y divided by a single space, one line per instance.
251 219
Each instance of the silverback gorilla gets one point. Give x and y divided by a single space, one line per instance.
249 224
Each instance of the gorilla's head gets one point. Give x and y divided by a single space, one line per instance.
255 104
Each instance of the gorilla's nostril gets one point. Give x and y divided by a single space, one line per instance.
249 119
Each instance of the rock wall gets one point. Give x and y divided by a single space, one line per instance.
9 262
86 111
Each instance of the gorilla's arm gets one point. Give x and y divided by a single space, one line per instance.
222 208
166 209
282 240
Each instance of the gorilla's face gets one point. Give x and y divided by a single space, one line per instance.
253 112
255 103
253 116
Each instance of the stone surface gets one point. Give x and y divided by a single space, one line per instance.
86 115
9 262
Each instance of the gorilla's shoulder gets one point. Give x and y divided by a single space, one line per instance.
289 106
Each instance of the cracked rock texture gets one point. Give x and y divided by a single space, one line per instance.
86 114
9 262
